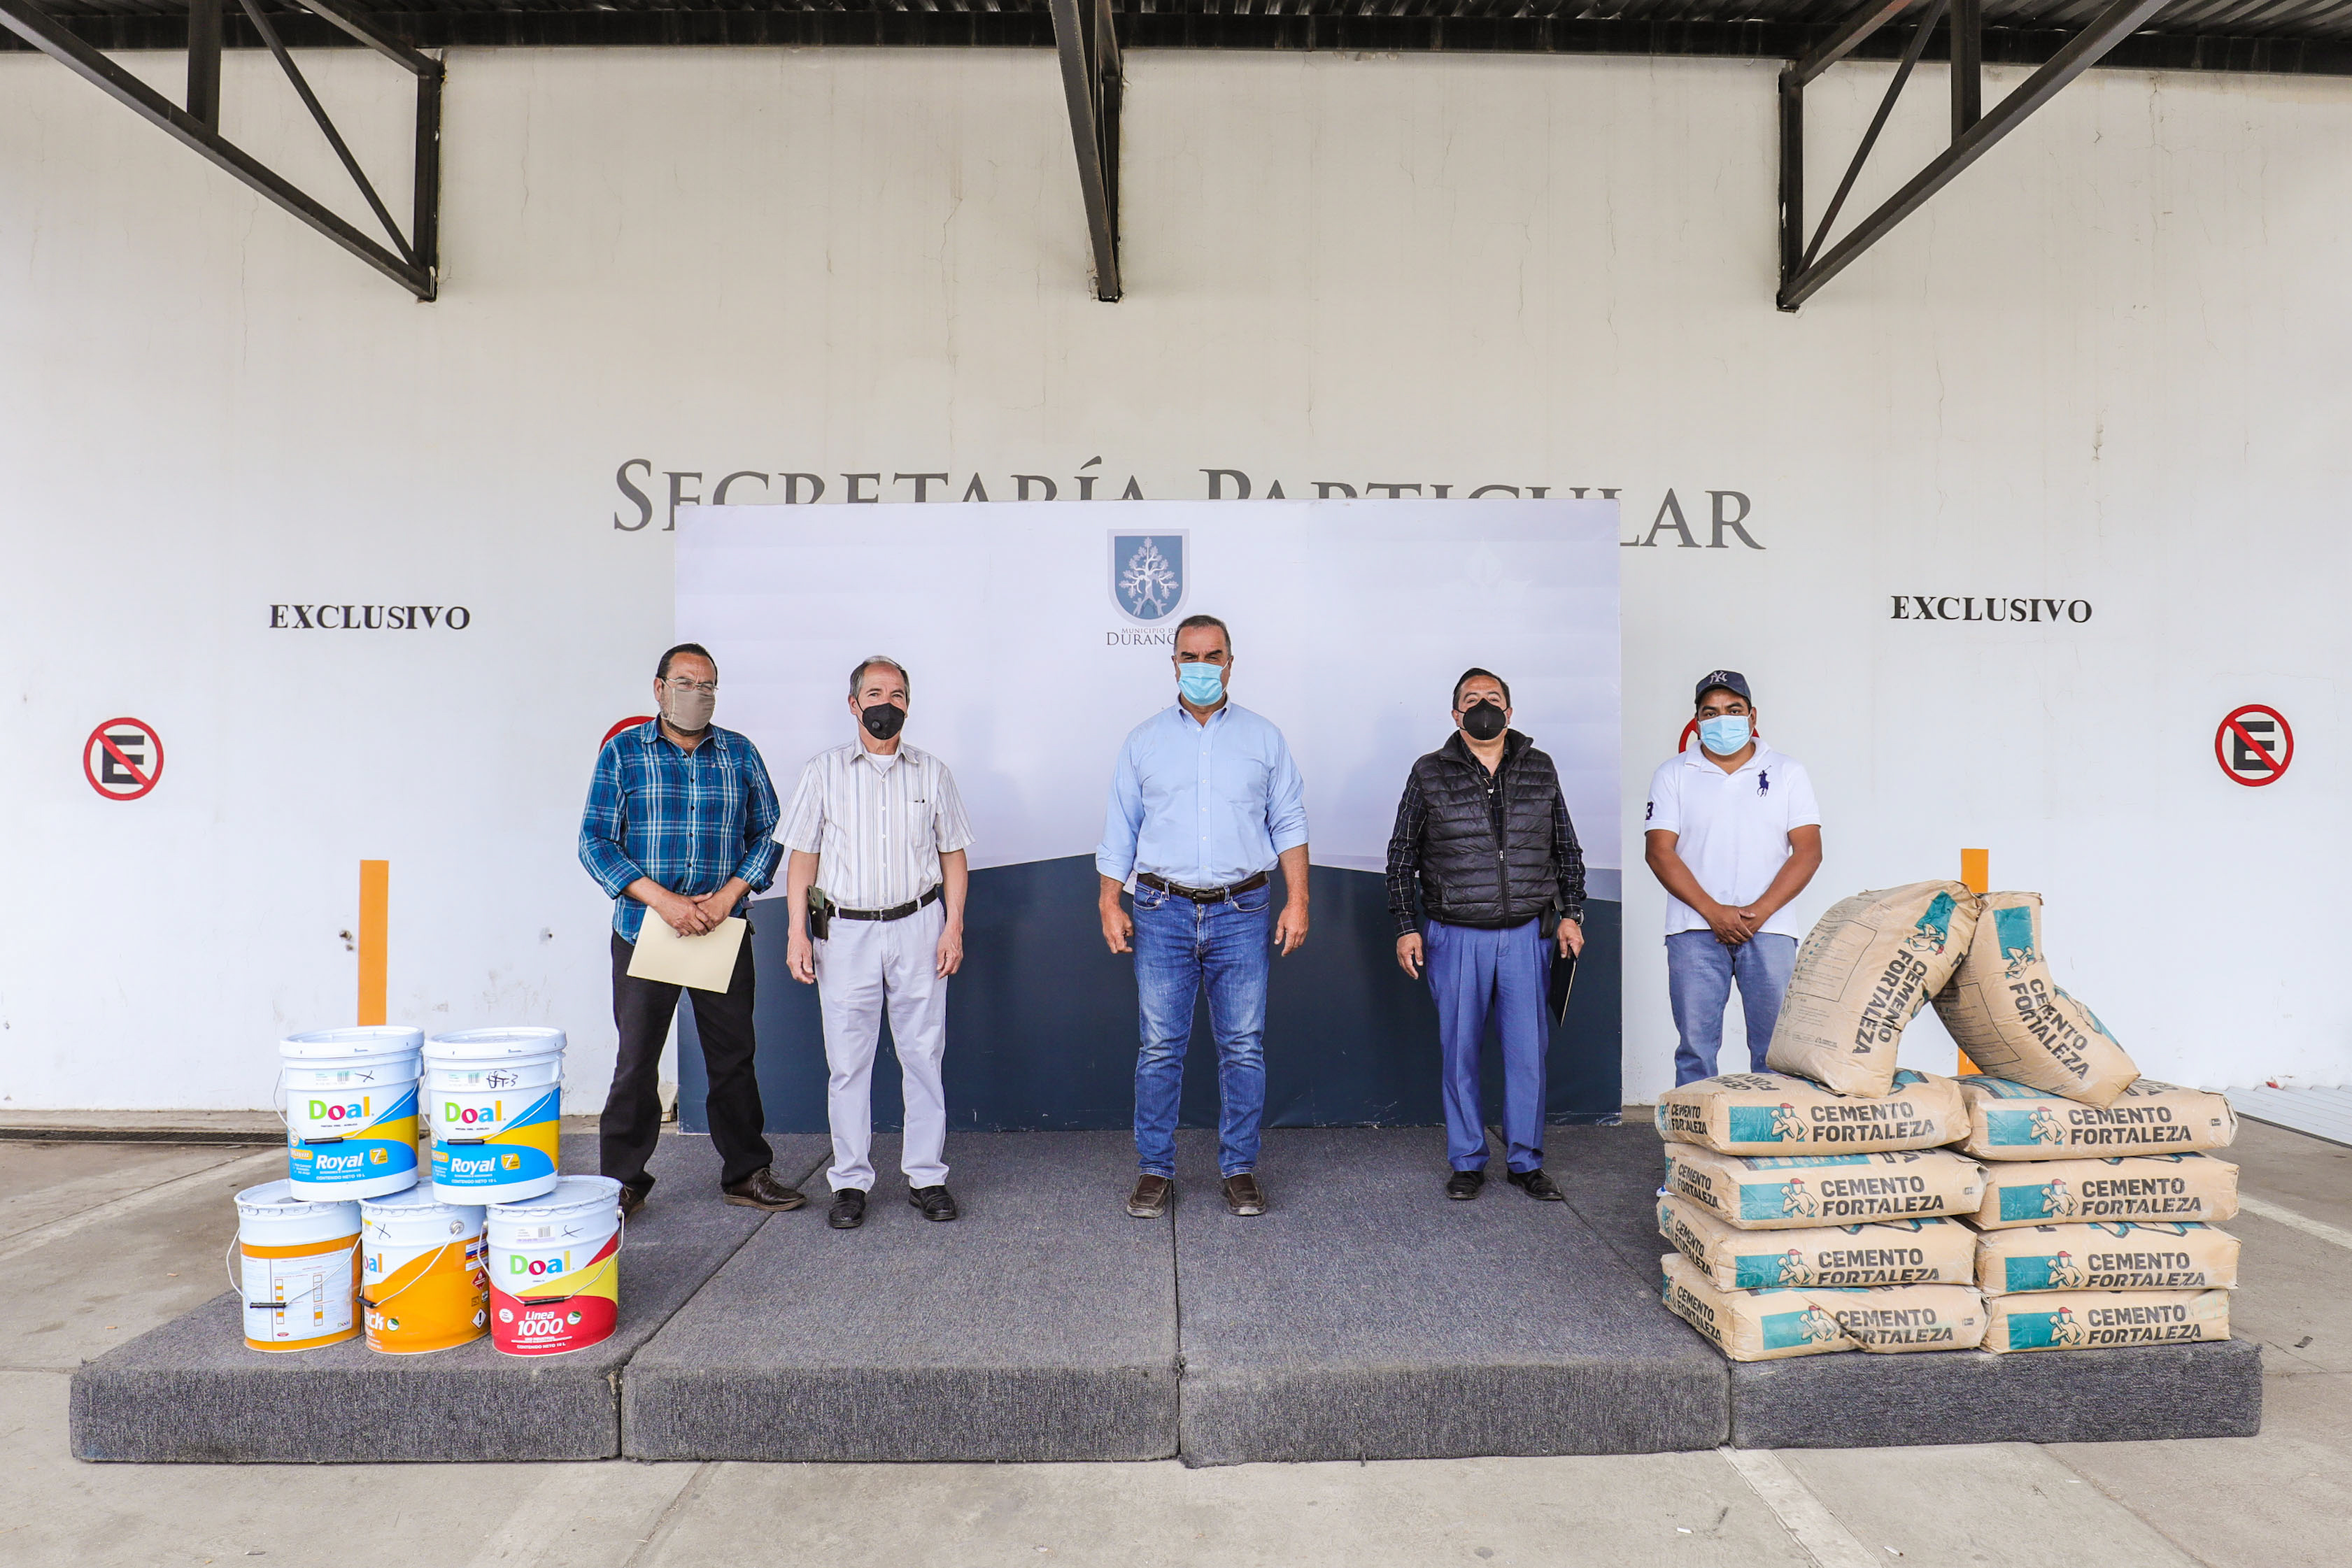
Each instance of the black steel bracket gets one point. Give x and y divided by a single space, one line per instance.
412 260
1804 265
1088 46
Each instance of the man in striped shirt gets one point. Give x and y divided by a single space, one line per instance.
876 827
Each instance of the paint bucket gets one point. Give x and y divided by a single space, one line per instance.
423 1279
351 1112
497 1099
555 1265
298 1268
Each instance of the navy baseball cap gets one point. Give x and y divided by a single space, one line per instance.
1731 681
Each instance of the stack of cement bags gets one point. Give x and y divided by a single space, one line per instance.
2097 1221
1838 1202
1806 1222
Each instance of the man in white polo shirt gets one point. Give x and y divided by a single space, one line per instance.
1733 833
881 824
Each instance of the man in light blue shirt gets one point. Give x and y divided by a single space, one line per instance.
1205 801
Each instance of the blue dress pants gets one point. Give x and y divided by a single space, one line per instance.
1181 947
1475 973
1700 973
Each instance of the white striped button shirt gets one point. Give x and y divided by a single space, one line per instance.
878 825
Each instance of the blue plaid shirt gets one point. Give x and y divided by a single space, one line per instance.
689 819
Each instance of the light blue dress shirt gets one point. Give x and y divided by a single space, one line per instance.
1203 805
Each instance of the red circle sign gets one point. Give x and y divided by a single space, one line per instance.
624 723
2254 746
122 758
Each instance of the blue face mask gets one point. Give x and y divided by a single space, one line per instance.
1203 685
1723 736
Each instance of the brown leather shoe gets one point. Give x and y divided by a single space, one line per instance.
632 1199
761 1189
1243 1196
1150 1199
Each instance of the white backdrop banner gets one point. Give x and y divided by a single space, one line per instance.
1038 634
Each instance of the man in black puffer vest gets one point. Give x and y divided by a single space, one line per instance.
1483 835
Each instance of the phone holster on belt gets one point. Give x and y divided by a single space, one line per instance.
820 914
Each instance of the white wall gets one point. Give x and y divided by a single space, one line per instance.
2106 365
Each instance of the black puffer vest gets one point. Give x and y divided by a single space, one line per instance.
1467 879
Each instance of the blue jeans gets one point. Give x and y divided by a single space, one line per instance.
1700 972
1472 973
1179 947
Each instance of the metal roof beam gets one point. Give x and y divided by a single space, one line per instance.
1088 46
2112 26
1846 38
200 133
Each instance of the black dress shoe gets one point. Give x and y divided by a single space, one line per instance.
1464 1186
849 1210
761 1189
1535 1184
933 1201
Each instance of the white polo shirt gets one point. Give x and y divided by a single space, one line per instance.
1732 828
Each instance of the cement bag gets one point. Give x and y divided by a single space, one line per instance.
2106 1320
2014 1022
2107 1257
1813 1190
1749 1325
1773 1113
2012 1122
1897 1318
1870 963
1899 1252
2177 1187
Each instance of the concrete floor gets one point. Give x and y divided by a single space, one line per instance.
101 1242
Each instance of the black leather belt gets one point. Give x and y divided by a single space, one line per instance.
1200 894
898 912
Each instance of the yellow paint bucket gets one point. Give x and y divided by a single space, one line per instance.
298 1266
423 1284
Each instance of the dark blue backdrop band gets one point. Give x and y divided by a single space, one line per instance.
1041 1021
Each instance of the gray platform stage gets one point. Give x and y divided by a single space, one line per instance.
1363 1317
191 1391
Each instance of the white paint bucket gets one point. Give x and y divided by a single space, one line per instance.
423 1280
351 1112
555 1268
497 1099
298 1268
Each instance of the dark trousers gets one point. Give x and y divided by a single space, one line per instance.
631 1121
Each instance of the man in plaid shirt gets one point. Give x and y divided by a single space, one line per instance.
680 821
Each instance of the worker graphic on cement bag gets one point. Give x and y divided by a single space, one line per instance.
2013 1020
1869 964
2009 1121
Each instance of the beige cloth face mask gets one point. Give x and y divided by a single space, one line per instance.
688 711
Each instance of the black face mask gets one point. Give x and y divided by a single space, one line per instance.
1484 721
883 720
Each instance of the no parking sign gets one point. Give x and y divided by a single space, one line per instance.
2254 745
122 758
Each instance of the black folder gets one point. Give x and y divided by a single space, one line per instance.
1563 981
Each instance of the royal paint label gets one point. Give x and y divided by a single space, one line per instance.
1779 1113
1801 1191
545 1301
350 1136
495 1139
2173 1188
2106 1320
2107 1257
1897 1252
416 1300
299 1298
2011 1121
